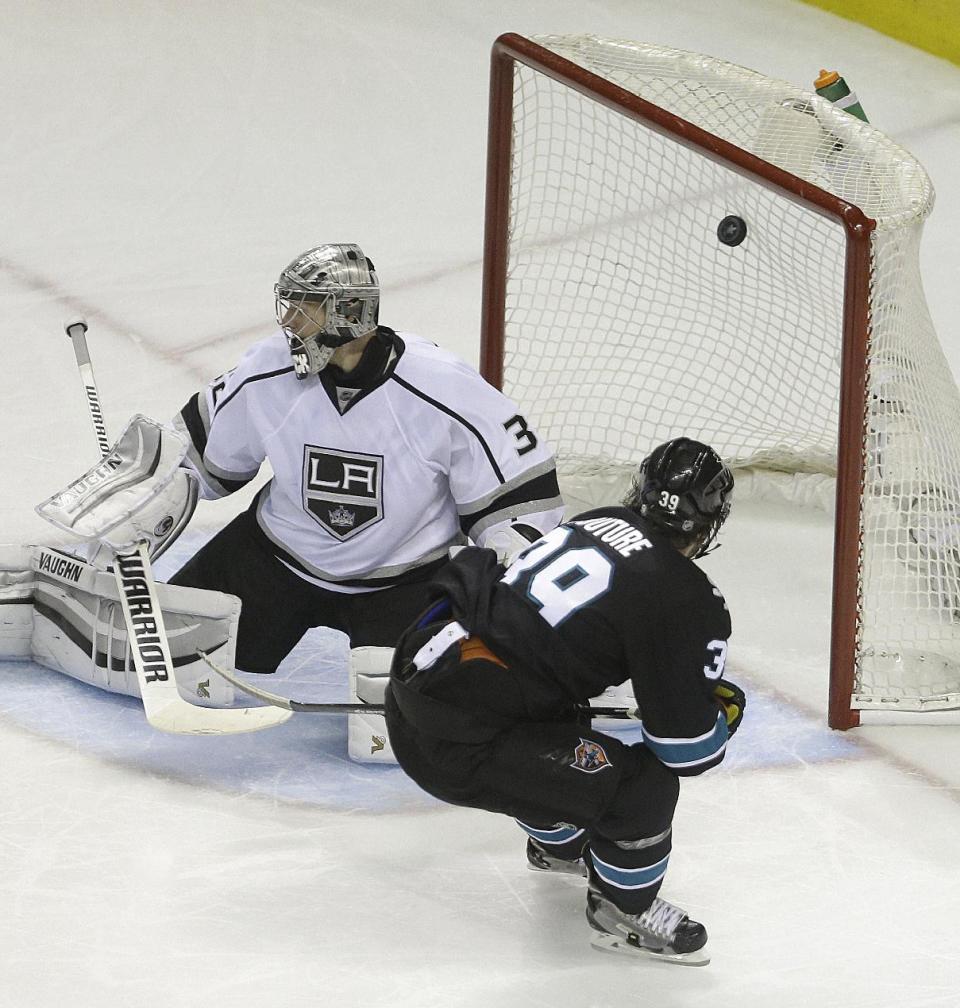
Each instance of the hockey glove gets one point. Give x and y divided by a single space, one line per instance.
733 701
139 493
509 541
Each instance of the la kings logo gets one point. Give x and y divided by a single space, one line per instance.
342 491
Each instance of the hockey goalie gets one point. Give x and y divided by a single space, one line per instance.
386 453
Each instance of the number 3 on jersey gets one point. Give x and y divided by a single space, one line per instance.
559 580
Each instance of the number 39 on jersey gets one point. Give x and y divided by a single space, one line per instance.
561 580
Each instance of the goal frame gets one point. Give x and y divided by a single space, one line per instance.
510 49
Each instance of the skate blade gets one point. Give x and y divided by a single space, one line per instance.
612 943
577 874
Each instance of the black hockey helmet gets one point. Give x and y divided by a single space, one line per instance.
684 487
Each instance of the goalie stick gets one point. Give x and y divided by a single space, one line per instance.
77 332
305 707
164 707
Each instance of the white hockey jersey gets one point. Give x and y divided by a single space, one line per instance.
371 486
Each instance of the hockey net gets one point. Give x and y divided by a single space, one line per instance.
617 317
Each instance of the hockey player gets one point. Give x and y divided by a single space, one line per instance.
385 450
482 706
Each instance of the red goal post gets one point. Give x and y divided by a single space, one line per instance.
610 300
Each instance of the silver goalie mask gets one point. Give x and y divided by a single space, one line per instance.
325 298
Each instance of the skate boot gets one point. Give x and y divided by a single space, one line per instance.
661 932
539 860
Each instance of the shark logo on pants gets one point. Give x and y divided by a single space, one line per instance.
590 757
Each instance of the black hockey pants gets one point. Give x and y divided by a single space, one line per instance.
458 731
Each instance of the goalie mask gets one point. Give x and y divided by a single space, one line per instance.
325 298
684 487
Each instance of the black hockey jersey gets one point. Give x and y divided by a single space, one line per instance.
600 599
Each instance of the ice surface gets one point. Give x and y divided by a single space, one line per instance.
160 162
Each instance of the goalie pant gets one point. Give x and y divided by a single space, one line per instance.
66 615
623 808
279 606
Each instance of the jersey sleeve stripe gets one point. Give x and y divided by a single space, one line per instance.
193 423
686 755
189 421
230 481
220 485
246 381
482 504
456 416
529 496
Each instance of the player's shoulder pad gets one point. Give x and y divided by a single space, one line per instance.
266 360
423 358
643 548
621 531
438 376
649 564
266 355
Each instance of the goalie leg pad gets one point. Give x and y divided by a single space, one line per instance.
367 739
17 585
79 629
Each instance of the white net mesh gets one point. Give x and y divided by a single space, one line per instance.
629 322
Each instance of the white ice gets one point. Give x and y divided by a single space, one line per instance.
159 162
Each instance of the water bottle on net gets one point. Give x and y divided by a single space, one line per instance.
834 88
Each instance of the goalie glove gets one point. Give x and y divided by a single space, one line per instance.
732 701
137 493
509 541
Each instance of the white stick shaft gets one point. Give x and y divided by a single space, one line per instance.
148 639
77 331
165 709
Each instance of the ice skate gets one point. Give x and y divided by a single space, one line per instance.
662 932
539 860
